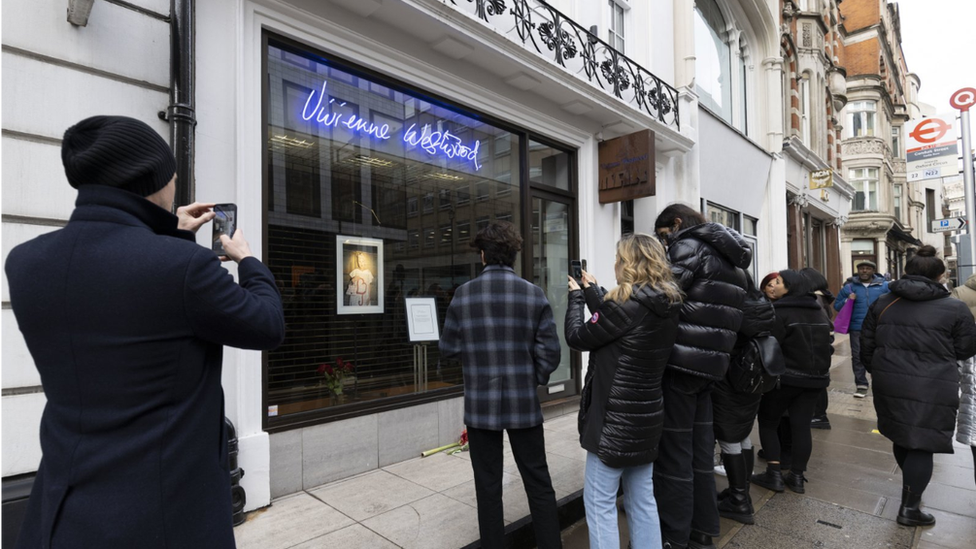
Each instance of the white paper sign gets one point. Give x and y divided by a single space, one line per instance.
422 319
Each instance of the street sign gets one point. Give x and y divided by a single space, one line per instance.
948 225
963 99
931 150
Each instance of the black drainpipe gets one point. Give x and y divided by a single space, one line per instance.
181 113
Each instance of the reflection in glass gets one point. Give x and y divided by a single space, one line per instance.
550 242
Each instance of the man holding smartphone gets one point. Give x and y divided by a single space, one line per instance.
125 316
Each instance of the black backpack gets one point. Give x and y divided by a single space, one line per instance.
756 369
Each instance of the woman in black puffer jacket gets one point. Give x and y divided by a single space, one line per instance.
804 334
734 413
629 337
910 341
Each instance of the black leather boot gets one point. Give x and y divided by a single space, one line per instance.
698 540
794 481
772 479
738 505
909 513
750 456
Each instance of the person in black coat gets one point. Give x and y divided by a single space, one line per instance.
735 413
804 334
910 342
125 316
707 260
629 337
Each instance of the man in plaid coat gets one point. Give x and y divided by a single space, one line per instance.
502 330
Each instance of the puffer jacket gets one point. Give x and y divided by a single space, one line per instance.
967 294
734 413
707 261
866 295
966 431
910 342
621 413
803 332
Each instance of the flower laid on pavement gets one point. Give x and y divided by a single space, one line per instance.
460 446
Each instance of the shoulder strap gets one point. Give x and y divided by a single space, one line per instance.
888 307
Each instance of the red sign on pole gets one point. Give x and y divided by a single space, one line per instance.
963 99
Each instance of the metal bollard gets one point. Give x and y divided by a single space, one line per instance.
237 495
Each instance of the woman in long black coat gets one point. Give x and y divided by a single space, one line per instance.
910 341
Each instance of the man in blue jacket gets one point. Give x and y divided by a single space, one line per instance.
126 316
863 289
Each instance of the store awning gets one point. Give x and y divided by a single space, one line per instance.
899 234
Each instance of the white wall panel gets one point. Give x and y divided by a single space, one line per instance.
14 234
116 40
44 99
18 366
21 433
34 183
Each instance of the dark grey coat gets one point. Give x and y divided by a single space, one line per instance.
125 317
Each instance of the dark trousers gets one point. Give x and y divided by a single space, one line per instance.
916 467
860 373
529 448
684 480
820 411
800 402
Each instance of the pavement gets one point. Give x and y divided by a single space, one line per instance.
851 500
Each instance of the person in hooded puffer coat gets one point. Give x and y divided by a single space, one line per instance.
707 260
910 342
966 431
967 293
629 337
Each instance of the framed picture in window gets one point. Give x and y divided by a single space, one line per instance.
359 275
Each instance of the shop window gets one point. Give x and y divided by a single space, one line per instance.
371 178
725 216
749 225
860 118
548 166
865 183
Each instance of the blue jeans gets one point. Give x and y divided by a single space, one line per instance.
600 500
860 373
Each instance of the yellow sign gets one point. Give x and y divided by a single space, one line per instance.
821 179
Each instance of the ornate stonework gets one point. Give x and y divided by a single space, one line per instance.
807 35
863 146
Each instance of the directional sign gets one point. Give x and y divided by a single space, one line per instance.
948 225
931 150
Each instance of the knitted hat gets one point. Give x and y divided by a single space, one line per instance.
867 262
117 151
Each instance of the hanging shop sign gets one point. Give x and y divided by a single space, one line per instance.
821 179
626 168
931 150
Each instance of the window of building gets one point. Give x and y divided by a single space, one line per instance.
865 183
616 37
725 216
805 110
930 213
713 63
860 118
896 142
896 190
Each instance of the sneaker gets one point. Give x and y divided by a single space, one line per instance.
720 470
820 423
861 392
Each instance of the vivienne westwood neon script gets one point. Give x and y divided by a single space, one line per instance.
433 142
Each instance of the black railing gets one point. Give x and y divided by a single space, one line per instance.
560 39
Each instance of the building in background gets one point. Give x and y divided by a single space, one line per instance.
818 195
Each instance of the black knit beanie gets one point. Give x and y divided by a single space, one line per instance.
117 151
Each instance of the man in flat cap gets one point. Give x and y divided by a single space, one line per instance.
125 317
864 288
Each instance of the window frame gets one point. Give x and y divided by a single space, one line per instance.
866 116
860 180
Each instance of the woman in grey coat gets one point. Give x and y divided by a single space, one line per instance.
966 432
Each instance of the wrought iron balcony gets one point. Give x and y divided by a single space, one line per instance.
558 38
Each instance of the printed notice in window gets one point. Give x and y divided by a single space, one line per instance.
422 319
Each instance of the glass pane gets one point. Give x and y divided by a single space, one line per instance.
394 176
550 244
548 166
713 65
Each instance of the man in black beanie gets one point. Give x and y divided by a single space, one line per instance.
125 316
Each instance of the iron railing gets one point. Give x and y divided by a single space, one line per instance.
558 38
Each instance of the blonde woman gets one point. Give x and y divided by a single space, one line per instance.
629 336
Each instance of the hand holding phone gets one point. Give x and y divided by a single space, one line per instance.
576 270
224 223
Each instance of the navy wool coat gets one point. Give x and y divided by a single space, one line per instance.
125 317
501 328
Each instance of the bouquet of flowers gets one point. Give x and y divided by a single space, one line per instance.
460 446
333 375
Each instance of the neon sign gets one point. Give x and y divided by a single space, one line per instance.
432 142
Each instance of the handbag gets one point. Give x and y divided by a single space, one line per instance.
757 368
842 322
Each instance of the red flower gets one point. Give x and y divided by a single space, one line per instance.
321 369
347 366
339 361
329 370
464 438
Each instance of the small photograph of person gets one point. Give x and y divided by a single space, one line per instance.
360 276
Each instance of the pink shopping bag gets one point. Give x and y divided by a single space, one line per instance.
842 322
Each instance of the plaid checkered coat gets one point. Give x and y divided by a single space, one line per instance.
501 328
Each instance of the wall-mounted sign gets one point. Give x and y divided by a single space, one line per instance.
627 167
931 150
821 179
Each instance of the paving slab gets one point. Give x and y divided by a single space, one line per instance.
355 536
288 522
951 530
370 494
437 472
435 522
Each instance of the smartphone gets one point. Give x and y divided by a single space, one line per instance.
576 269
584 264
225 222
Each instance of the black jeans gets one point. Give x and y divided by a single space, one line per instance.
684 480
860 372
529 448
800 402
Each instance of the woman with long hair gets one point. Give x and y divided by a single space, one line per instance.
629 337
910 342
804 334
